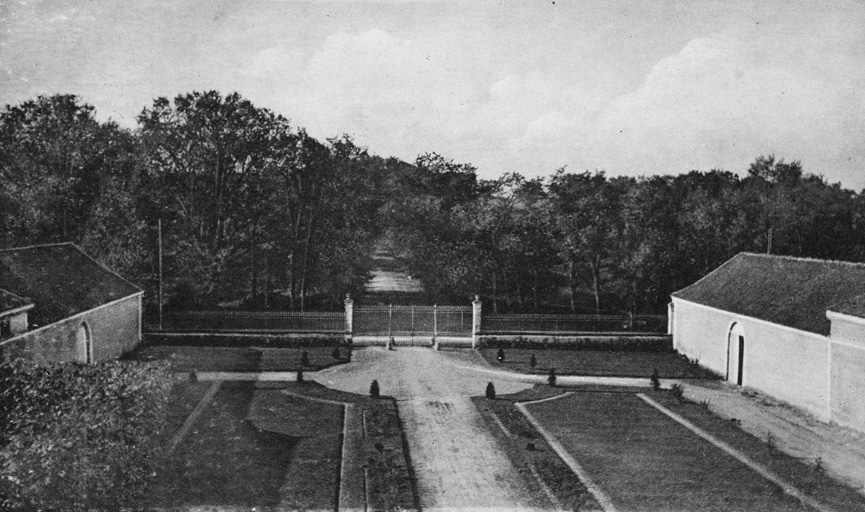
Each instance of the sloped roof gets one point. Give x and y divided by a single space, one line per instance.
61 280
852 307
795 292
9 302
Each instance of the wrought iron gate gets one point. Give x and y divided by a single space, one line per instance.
413 321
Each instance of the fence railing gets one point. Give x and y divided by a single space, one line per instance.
406 320
412 320
572 323
255 321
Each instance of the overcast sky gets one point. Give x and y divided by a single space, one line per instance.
630 87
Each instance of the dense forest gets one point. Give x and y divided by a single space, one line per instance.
255 213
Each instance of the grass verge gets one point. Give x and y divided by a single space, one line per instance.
542 469
185 358
597 363
806 475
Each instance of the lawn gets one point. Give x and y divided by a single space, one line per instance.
643 460
278 444
597 362
806 475
185 358
225 459
541 468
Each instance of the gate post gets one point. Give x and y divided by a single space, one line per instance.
476 320
349 317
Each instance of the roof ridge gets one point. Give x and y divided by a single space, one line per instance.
105 267
37 246
803 258
716 269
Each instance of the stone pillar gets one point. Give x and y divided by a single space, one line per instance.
18 323
349 317
476 320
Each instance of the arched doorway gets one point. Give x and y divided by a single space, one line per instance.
84 344
736 354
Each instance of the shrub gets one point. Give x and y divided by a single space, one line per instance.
678 392
79 438
533 362
300 376
304 358
551 378
655 380
335 353
500 355
374 390
491 391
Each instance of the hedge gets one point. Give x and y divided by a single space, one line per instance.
661 344
76 438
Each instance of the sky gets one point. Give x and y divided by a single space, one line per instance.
629 87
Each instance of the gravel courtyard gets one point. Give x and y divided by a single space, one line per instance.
457 462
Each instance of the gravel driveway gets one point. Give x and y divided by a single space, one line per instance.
458 464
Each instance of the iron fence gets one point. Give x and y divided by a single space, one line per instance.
255 321
412 320
517 324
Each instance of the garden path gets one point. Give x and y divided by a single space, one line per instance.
458 464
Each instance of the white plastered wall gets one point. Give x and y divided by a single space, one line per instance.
785 363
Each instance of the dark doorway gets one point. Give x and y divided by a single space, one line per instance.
741 360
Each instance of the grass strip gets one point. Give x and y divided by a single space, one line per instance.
242 359
806 475
530 453
599 363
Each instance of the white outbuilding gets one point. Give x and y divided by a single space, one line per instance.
793 328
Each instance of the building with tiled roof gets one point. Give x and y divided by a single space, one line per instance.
59 304
793 328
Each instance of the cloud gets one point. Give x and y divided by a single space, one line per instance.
723 100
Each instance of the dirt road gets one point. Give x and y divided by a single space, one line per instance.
457 462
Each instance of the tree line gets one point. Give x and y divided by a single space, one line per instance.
256 213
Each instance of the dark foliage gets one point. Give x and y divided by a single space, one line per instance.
374 391
80 438
490 392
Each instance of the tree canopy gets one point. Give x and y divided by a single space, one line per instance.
257 213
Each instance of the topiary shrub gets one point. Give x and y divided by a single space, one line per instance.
655 380
374 390
79 437
300 376
335 353
304 358
551 378
500 355
533 362
491 391
678 392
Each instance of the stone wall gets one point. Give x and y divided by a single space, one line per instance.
114 330
788 364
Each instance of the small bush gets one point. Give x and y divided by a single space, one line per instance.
78 437
335 353
551 378
500 355
655 380
374 390
304 358
678 392
491 391
533 362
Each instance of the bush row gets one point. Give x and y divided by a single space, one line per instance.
610 343
78 438
228 340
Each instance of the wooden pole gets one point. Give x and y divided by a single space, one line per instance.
159 298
